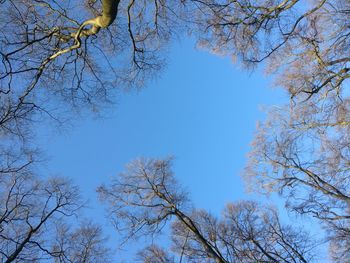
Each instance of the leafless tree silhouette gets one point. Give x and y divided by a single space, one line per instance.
147 196
60 58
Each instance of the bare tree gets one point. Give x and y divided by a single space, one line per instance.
308 163
66 57
55 58
304 42
302 150
55 62
29 207
61 49
85 243
144 198
58 56
32 215
155 254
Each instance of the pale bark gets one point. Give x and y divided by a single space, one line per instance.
109 13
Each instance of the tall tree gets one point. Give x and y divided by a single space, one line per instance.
66 57
34 221
56 62
55 58
301 151
147 196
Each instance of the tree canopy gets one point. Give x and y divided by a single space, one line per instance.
62 58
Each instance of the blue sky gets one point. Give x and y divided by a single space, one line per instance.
203 111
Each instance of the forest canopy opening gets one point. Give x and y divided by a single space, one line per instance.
59 59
